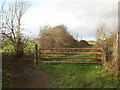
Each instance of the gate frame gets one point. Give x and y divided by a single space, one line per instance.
39 52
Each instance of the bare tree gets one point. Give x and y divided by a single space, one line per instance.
11 25
101 32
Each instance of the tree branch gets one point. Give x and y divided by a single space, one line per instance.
10 37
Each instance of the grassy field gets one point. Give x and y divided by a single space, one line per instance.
8 48
70 75
79 75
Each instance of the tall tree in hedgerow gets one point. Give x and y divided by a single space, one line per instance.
11 25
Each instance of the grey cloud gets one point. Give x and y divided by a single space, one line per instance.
83 31
110 14
94 9
87 13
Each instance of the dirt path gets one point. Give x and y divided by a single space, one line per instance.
31 78
24 75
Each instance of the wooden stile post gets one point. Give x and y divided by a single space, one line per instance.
36 53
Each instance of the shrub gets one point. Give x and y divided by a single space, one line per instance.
56 37
110 50
83 43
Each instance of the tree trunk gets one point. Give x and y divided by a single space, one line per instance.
19 50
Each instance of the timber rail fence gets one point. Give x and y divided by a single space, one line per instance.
41 51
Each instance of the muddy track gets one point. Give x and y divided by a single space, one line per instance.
25 75
31 78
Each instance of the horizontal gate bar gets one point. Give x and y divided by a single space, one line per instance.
71 48
73 53
71 57
71 62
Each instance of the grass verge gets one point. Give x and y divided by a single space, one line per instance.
79 76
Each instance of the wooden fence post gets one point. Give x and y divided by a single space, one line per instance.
39 55
36 54
118 36
103 55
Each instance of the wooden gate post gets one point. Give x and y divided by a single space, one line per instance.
118 36
40 55
103 55
36 54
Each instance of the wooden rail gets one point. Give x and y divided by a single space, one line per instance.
71 48
71 57
71 62
73 53
99 52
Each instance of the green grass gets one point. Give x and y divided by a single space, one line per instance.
6 79
71 75
84 46
92 43
30 49
9 48
79 75
53 55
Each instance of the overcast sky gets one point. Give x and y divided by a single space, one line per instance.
80 16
